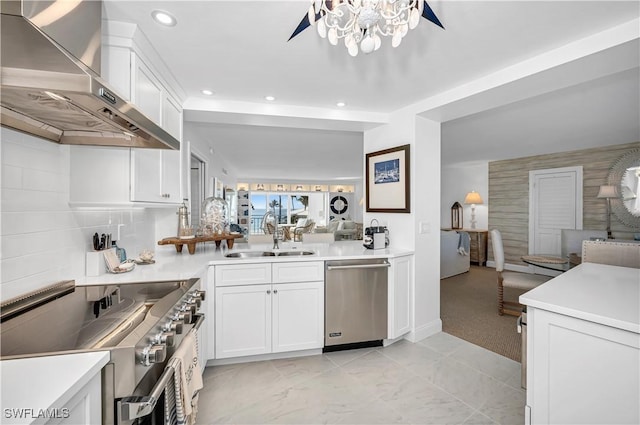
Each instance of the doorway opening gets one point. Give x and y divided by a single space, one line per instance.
197 195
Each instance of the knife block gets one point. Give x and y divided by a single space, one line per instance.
95 265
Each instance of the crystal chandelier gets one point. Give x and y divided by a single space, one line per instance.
362 23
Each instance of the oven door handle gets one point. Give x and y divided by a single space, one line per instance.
135 407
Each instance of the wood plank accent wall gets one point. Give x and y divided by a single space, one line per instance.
509 194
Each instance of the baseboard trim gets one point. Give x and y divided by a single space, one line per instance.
424 331
260 357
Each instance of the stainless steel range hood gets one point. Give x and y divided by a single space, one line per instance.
50 78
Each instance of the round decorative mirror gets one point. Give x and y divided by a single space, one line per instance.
625 175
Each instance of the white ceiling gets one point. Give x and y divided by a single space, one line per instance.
239 50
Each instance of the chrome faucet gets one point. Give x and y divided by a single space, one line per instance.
268 214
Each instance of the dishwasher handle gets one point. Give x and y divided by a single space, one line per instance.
360 266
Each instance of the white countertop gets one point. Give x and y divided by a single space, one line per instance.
599 293
45 382
171 265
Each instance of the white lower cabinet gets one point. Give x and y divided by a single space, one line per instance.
297 316
243 320
261 318
85 407
580 372
399 296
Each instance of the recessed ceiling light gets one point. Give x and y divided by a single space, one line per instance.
164 18
207 92
340 104
270 98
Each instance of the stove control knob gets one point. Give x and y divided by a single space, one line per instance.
199 294
185 317
195 300
153 354
166 338
174 326
189 308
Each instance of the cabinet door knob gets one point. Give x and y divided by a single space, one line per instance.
275 291
268 291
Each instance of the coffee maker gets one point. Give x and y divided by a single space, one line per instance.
376 237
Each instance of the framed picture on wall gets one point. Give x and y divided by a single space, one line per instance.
387 180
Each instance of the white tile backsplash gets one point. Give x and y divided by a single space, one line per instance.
43 240
11 177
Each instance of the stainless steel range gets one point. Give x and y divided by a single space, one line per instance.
140 324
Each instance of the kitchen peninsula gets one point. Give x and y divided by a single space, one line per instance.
287 270
583 359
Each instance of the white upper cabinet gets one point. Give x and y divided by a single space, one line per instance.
133 68
147 93
124 176
155 175
172 116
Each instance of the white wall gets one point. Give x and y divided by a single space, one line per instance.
424 138
217 166
42 239
457 181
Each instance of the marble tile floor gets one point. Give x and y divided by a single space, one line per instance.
439 380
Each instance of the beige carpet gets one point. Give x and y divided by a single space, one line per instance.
468 307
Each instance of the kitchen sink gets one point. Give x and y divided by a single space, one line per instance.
294 253
254 254
250 254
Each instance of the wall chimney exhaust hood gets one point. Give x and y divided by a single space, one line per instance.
50 78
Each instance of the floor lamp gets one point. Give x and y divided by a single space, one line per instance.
473 198
607 192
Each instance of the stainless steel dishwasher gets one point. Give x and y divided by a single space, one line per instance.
355 302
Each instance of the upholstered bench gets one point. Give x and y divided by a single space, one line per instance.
615 253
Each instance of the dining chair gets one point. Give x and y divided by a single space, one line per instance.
307 228
269 229
509 279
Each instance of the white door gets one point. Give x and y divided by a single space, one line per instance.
298 316
555 203
243 320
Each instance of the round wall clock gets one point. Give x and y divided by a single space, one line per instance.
339 205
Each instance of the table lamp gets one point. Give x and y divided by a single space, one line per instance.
607 192
473 198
